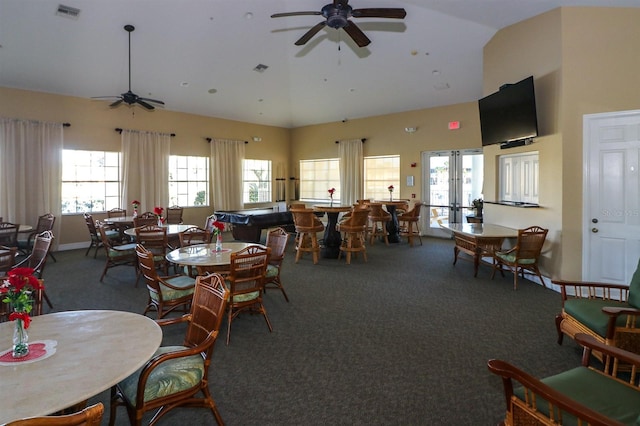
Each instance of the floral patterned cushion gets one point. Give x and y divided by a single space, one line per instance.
182 281
512 258
272 271
242 297
168 378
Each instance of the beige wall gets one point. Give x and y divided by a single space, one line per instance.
93 126
584 60
385 135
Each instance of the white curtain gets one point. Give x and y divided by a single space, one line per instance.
351 171
226 157
31 171
145 169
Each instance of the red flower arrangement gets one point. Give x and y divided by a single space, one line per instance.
390 188
331 191
218 227
135 204
17 290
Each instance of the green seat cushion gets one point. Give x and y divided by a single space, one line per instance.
272 271
241 297
111 234
170 377
603 394
512 258
123 250
182 282
589 312
634 289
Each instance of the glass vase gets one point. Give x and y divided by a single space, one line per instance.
159 222
20 340
135 212
390 196
219 242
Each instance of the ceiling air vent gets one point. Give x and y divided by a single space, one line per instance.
68 11
260 68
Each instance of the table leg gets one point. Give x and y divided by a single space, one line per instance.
392 226
332 238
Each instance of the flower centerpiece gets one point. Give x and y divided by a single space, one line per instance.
218 227
390 188
17 290
135 204
331 191
158 212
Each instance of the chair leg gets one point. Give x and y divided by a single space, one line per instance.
560 333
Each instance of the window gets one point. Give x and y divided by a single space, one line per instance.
317 177
90 181
256 178
379 173
519 177
188 181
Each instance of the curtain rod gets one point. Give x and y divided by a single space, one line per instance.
363 140
66 124
119 130
210 139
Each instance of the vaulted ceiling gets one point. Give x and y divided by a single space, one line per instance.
204 56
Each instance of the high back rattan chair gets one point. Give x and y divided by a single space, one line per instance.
154 238
192 236
96 239
146 218
354 230
246 283
116 212
175 375
90 416
524 256
37 260
409 223
174 215
45 223
379 219
166 293
117 254
7 258
277 239
9 234
307 228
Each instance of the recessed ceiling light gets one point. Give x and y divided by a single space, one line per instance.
212 91
435 72
248 15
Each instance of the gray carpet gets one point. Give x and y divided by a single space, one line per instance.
400 340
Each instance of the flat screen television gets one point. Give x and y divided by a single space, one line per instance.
509 114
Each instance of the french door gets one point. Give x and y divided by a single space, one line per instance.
451 180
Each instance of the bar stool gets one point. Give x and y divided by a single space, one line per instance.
409 223
379 219
354 229
307 227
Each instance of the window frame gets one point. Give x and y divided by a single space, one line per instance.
314 190
177 184
261 183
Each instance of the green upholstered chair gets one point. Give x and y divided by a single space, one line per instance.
96 239
594 393
178 375
523 256
246 283
608 312
166 293
277 239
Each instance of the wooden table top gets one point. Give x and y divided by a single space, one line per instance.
332 209
94 350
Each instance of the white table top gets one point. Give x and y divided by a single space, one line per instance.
95 350
486 230
172 229
119 219
205 254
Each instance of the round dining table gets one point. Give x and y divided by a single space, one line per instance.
73 356
332 239
172 229
205 258
393 228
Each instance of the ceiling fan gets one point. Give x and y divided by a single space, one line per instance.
337 16
129 97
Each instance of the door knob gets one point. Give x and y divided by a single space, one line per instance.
594 220
594 230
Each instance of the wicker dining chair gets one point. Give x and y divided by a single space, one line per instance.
354 230
116 212
523 256
191 236
307 228
117 254
379 219
45 223
175 375
409 223
277 239
154 238
174 215
90 416
9 234
37 260
146 218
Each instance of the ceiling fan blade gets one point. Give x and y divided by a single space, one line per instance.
394 13
313 31
105 97
152 100
144 104
356 34
116 103
281 15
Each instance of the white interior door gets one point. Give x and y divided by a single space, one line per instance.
611 237
450 181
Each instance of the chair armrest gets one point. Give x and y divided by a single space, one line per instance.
590 344
510 373
164 282
170 321
592 290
